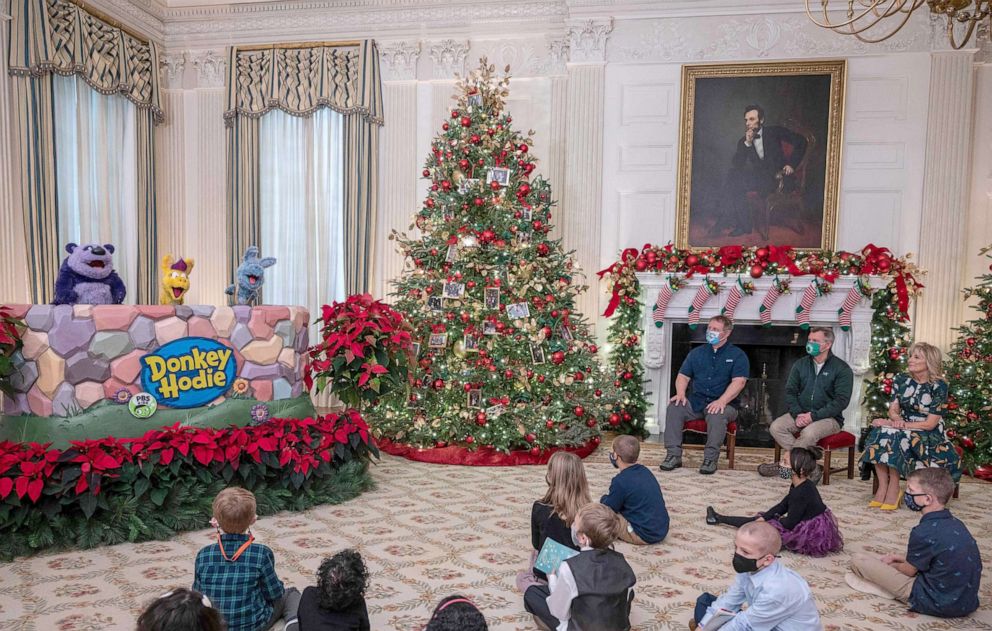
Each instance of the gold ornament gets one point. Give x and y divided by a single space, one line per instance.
459 349
457 176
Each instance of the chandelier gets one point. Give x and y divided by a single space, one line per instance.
884 18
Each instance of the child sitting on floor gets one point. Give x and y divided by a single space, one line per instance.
592 590
337 603
635 495
942 569
551 516
180 610
803 521
777 597
239 575
456 613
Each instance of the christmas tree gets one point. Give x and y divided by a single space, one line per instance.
969 377
503 358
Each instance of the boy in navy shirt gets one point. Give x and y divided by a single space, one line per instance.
942 569
635 496
718 371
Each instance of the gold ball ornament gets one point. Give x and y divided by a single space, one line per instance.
459 349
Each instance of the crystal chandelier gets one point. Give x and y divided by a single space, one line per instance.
884 18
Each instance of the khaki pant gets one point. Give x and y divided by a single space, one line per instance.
891 580
627 533
784 427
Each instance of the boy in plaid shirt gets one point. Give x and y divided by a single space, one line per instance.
238 575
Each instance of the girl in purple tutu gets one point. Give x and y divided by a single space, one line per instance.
806 524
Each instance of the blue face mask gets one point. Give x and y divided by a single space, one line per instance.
909 499
613 461
813 348
713 338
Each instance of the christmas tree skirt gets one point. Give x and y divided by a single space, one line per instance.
482 457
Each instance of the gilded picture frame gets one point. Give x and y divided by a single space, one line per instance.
760 154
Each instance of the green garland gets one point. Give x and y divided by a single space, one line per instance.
891 334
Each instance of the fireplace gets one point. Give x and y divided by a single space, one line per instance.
771 350
771 354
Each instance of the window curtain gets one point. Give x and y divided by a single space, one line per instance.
301 80
47 37
301 207
96 188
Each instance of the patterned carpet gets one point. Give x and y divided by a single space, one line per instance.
431 530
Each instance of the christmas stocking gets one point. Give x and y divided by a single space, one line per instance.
765 310
737 292
707 290
664 295
809 296
854 296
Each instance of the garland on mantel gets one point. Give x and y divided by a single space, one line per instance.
890 321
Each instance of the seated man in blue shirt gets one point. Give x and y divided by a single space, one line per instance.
777 598
942 569
718 371
635 495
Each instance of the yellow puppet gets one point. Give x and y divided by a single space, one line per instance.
175 280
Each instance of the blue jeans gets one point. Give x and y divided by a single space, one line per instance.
702 604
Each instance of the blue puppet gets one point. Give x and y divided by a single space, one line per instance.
249 277
87 277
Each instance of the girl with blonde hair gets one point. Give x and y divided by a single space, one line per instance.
552 515
912 435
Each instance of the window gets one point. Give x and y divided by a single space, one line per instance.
96 172
302 207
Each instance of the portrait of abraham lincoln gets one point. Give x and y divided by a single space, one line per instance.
760 154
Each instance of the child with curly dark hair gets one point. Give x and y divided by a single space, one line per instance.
456 613
181 610
337 603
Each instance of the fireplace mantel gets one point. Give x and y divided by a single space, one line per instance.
853 346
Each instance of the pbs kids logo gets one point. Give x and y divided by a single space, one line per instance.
188 372
142 405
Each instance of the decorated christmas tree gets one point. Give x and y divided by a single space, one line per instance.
503 357
969 377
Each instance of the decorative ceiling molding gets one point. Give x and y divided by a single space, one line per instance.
715 39
587 41
448 57
398 60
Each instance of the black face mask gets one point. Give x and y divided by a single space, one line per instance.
743 564
613 461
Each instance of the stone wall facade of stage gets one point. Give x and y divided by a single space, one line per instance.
75 356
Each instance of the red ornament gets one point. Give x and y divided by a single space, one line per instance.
967 443
478 201
757 271
579 410
429 202
970 341
761 253
557 357
549 424
538 225
640 265
951 433
438 384
446 185
691 260
591 423
440 444
535 451
530 438
508 374
480 418
466 121
543 249
475 139
614 419
596 440
445 127
593 348
540 379
598 392
426 173
523 190
494 185
523 148
455 114
580 376
464 164
469 439
983 472
628 375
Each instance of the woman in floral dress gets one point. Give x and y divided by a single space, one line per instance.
912 436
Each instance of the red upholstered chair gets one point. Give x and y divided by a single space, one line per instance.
698 426
840 440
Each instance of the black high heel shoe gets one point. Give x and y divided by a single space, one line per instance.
711 518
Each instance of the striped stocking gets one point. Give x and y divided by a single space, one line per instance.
706 291
765 310
854 296
806 304
661 304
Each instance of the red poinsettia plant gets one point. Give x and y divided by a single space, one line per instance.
365 351
10 343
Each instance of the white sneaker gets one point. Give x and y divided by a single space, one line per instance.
857 583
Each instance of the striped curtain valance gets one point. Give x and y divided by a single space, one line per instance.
61 37
299 79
